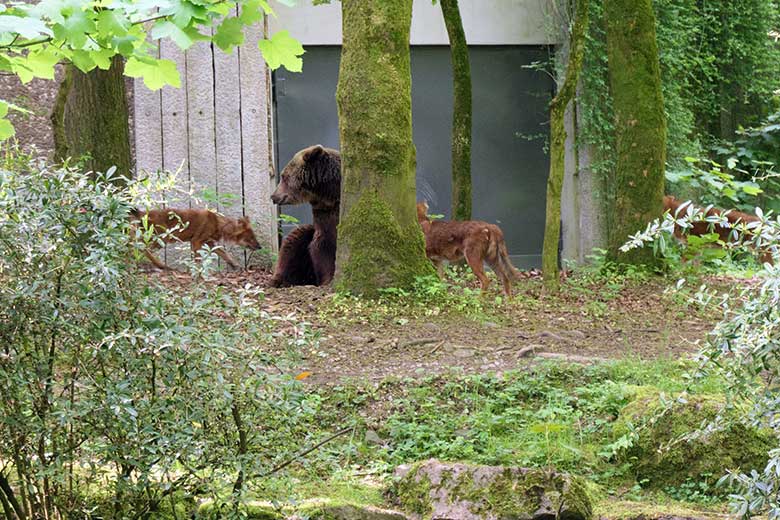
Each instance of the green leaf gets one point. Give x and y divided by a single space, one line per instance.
155 73
6 128
252 11
24 27
166 29
83 60
111 22
77 26
752 189
41 63
102 58
282 50
229 33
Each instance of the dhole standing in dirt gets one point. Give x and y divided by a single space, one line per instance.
478 242
199 227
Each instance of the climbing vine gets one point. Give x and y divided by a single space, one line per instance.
720 70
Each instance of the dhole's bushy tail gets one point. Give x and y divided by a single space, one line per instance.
498 254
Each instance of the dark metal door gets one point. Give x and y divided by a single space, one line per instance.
509 170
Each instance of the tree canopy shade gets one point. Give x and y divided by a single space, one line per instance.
552 226
640 123
380 243
89 34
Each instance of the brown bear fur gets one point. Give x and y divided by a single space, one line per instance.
308 253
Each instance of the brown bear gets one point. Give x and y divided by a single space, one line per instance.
308 254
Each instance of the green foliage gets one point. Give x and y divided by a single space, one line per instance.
115 391
34 37
554 415
716 61
742 351
714 183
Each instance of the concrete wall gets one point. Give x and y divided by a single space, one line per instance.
486 22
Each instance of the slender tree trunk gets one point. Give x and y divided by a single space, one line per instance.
552 225
90 119
380 243
640 123
461 111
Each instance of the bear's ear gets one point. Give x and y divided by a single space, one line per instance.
313 153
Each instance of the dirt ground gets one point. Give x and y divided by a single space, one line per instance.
637 320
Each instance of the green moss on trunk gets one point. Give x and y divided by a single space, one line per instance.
552 226
90 119
640 123
461 111
382 252
379 241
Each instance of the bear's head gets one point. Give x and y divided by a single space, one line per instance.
312 176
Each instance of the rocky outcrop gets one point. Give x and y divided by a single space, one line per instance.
438 490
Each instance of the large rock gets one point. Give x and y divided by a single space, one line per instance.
438 490
660 458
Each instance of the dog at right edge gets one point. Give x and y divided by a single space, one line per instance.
478 242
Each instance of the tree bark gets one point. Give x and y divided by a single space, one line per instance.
640 124
380 243
552 225
461 111
90 119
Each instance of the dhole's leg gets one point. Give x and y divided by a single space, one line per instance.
475 262
226 257
439 265
156 261
506 278
219 251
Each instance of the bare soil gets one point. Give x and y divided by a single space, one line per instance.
635 320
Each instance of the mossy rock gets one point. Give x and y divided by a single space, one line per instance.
435 489
658 456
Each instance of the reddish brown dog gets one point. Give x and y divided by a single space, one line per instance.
199 227
478 242
725 233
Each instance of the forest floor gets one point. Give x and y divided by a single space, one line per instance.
426 373
592 319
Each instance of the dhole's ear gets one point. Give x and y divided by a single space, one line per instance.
313 153
244 221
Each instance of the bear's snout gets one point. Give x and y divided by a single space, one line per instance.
279 199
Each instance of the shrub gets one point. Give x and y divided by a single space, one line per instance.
744 351
117 393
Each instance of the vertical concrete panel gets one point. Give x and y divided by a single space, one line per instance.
227 113
257 174
200 121
147 110
174 138
570 228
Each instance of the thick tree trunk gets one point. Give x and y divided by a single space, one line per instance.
640 123
90 119
552 225
461 111
380 243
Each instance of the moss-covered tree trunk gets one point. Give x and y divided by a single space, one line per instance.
640 123
461 111
552 224
380 243
90 118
